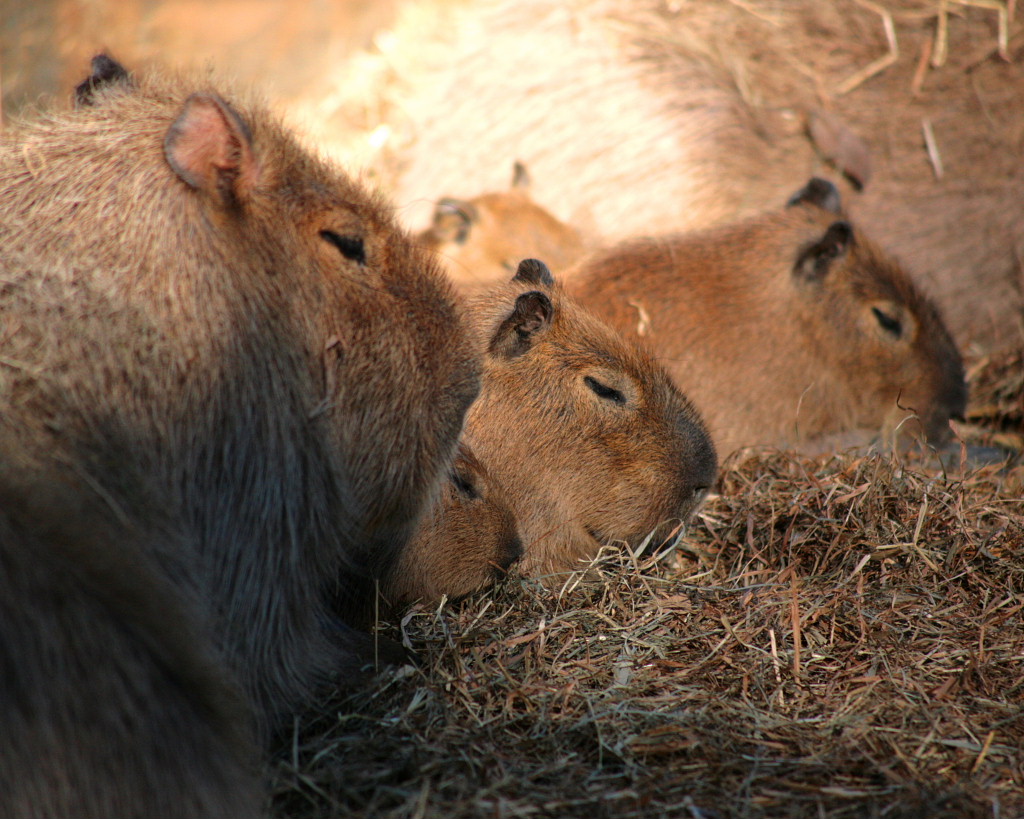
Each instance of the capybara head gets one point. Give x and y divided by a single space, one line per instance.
482 240
467 540
194 298
588 436
785 326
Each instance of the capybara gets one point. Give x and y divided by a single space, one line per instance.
640 117
467 540
588 436
784 326
482 240
111 700
201 319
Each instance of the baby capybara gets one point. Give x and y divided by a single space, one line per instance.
467 540
480 241
589 438
223 344
785 326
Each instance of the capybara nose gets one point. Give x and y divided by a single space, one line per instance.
511 553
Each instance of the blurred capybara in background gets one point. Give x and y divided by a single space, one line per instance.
201 318
465 541
645 117
482 240
589 438
111 701
784 326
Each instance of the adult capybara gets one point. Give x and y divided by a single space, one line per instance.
111 701
480 241
467 540
784 326
641 117
587 435
203 320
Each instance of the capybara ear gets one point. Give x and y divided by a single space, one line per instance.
812 264
530 317
520 176
106 71
818 192
452 220
534 271
210 148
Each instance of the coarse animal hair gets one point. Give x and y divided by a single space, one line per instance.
202 318
587 435
785 326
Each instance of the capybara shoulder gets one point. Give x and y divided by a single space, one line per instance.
785 326
481 241
192 297
589 437
466 540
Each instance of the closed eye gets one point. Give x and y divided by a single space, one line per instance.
465 486
888 323
604 391
351 247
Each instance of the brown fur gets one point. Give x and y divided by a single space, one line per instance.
111 701
776 326
481 241
201 319
588 436
646 117
466 541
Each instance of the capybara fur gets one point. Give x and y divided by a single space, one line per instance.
785 326
641 117
466 541
481 241
588 436
111 699
201 318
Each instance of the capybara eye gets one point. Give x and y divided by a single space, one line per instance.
604 391
465 486
890 324
351 247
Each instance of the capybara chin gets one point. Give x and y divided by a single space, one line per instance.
467 540
202 318
588 436
785 326
111 699
480 241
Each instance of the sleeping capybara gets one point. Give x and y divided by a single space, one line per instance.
480 241
783 327
202 320
465 541
586 434
111 698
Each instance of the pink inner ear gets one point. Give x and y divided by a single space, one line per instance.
209 147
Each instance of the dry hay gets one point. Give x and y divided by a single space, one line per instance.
837 637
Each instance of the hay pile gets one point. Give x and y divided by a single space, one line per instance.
839 637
